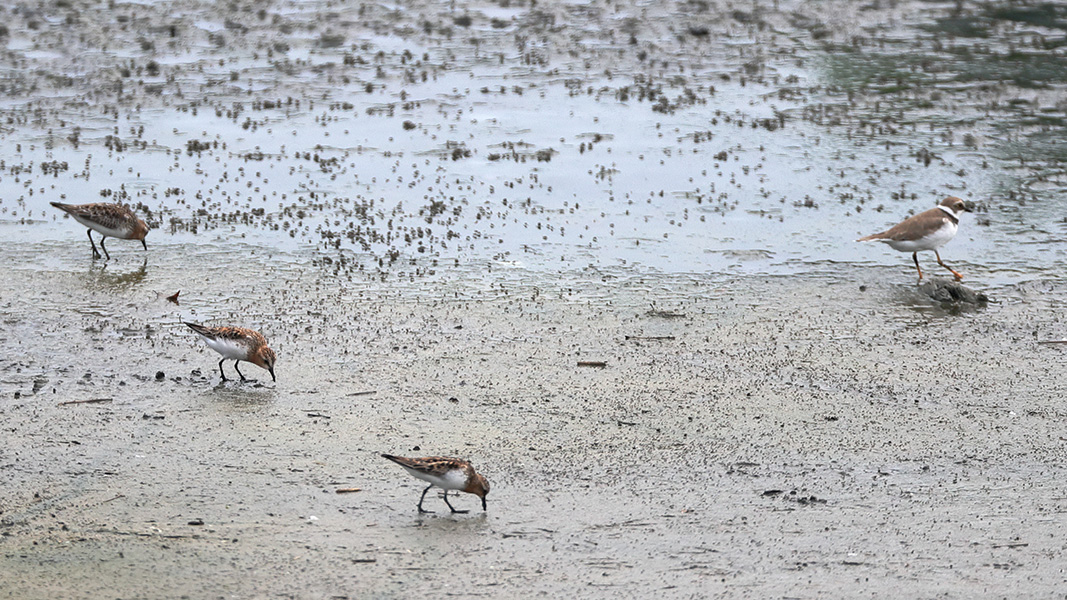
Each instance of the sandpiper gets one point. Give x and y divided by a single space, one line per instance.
239 344
447 474
110 220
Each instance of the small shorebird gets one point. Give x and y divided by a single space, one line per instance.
928 230
239 344
110 220
447 474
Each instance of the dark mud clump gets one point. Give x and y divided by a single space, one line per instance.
952 293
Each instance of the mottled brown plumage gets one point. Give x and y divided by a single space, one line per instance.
238 343
109 220
446 473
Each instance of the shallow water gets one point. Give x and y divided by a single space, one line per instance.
434 211
764 143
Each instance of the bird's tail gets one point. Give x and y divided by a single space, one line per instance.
872 237
400 460
198 328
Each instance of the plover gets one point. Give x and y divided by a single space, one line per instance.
928 230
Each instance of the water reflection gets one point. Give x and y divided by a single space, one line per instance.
108 277
675 150
241 397
982 80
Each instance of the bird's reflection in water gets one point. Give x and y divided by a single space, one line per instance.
106 276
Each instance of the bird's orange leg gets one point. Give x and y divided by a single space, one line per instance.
958 276
915 257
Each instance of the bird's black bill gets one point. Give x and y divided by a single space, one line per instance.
483 503
272 377
145 244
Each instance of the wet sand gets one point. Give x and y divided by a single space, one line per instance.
781 436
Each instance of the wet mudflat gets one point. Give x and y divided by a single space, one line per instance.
443 216
768 436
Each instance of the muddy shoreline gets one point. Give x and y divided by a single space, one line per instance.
779 436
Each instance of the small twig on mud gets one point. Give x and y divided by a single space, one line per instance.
367 393
1050 342
592 363
90 401
348 490
650 337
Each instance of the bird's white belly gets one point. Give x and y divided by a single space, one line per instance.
227 348
455 479
931 242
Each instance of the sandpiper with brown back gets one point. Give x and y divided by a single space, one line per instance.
110 220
